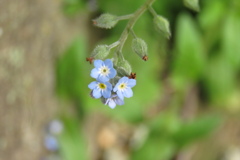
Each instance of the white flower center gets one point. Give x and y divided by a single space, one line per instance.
122 86
104 70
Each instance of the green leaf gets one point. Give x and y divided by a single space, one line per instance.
192 4
72 141
192 131
230 40
116 7
70 70
155 149
168 122
211 15
190 60
71 7
220 79
73 76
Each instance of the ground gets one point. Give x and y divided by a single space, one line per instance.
31 37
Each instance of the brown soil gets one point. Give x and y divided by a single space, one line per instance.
32 34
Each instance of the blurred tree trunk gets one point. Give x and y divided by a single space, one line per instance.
32 33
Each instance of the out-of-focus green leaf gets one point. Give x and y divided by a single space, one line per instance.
211 14
219 79
72 140
199 128
210 18
71 71
73 75
71 7
166 123
230 40
155 149
116 7
189 61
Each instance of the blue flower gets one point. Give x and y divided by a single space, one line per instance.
100 89
113 101
103 70
51 142
123 87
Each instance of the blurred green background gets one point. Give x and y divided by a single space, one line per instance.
186 103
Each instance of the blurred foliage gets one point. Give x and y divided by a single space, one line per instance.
169 134
203 52
72 140
72 7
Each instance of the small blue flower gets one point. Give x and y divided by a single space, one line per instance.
123 87
113 101
103 70
51 142
100 89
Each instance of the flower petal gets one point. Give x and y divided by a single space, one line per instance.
120 95
123 79
106 93
92 85
103 78
108 63
96 93
112 73
116 87
118 101
131 83
94 73
109 86
128 93
110 102
98 63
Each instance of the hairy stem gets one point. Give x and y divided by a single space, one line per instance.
133 34
125 17
113 45
130 25
153 12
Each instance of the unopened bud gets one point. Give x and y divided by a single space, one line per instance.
124 68
162 25
192 4
106 21
140 47
100 52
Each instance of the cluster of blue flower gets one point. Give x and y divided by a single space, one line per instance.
108 86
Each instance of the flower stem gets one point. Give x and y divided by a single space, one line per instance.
130 25
133 34
152 11
113 45
125 17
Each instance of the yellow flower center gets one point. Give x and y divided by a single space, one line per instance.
102 86
122 86
104 70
